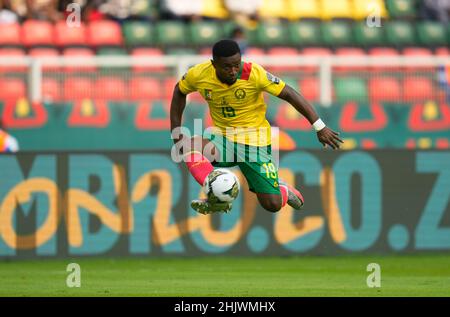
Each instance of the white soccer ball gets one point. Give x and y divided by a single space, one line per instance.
222 184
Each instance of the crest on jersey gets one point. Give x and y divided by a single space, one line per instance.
239 93
272 78
208 94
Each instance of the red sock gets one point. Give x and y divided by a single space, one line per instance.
198 165
284 195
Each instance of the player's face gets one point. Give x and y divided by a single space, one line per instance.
227 68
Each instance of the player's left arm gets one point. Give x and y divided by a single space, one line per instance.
325 135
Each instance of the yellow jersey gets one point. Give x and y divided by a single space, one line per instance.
239 110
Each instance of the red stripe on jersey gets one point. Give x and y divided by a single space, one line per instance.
246 70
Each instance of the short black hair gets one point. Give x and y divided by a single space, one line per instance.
225 48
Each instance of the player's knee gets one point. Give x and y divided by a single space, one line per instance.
272 205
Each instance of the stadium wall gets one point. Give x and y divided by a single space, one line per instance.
137 204
102 125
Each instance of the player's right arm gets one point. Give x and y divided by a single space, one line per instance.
177 106
185 86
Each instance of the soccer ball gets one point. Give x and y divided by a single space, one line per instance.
222 185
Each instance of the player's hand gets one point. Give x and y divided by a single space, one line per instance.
329 137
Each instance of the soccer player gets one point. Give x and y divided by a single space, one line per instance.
233 90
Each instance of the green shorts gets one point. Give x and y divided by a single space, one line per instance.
255 162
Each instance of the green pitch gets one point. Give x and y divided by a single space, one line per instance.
222 276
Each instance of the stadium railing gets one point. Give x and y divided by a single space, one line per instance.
338 78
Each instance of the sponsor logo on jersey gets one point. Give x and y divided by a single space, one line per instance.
273 78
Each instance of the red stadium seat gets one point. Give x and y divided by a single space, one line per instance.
79 52
66 36
253 51
110 88
51 90
12 52
147 52
384 89
314 52
168 86
145 89
206 52
78 88
104 32
416 89
12 89
310 89
417 52
45 52
384 51
36 32
442 51
10 34
283 51
350 52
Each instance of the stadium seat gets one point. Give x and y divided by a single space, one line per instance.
381 52
303 9
384 89
138 33
145 89
401 8
214 9
69 36
368 36
12 52
431 33
284 51
442 51
418 52
78 88
271 34
273 9
104 33
10 34
314 52
205 33
12 89
40 52
310 89
168 85
417 89
365 8
332 9
350 89
171 33
304 33
79 52
400 33
50 90
350 52
36 33
110 88
150 53
253 51
337 33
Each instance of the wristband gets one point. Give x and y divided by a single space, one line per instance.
318 125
